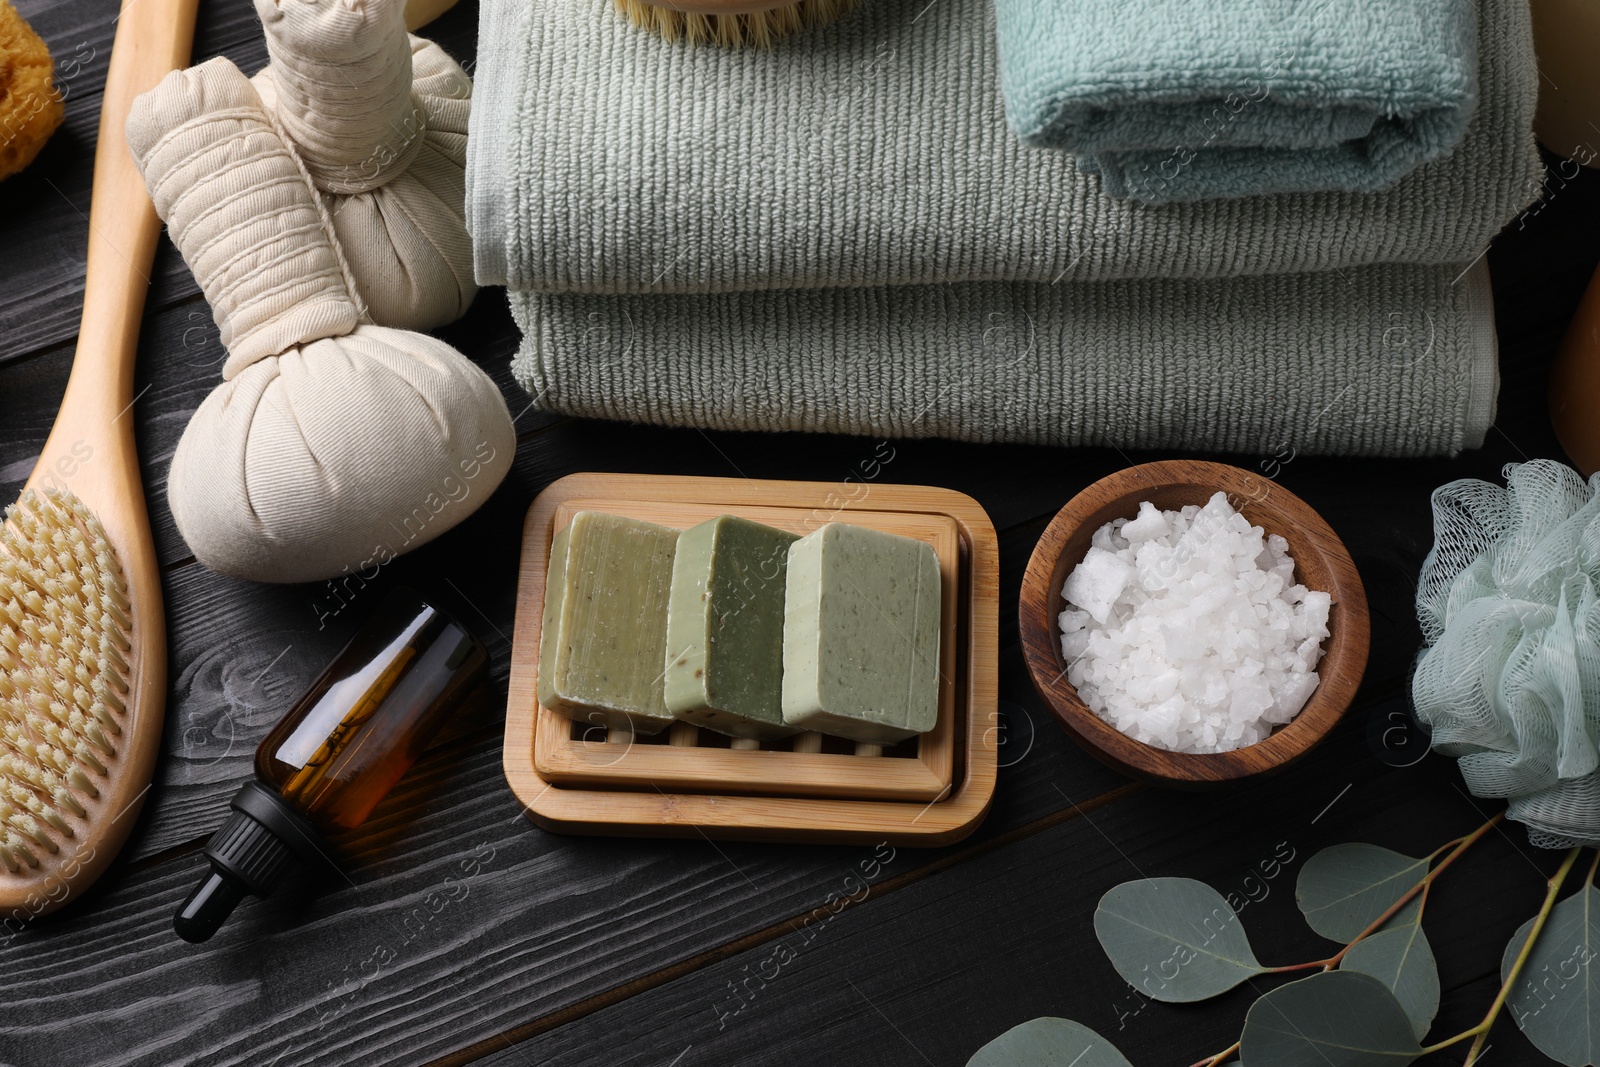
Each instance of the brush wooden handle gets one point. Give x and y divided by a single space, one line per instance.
153 37
91 448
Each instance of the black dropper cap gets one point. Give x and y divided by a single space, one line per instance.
261 839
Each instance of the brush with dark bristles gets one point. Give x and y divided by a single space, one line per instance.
82 641
731 23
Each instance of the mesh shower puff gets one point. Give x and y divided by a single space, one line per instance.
1509 680
332 445
379 119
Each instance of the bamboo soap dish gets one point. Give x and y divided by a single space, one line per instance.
684 757
929 790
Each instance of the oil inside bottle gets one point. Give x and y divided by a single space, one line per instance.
340 749
371 713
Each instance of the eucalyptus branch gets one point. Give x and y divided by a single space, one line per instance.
1424 884
1480 1033
1454 848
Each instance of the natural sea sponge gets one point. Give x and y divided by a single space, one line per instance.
332 444
30 107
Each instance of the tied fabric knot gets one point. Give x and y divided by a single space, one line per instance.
333 443
378 120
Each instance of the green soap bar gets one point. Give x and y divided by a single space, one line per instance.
861 635
725 628
605 622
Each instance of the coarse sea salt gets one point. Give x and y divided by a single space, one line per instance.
1187 631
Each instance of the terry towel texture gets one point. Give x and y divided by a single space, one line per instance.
1186 99
875 152
843 235
1391 360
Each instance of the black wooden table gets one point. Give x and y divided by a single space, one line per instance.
461 933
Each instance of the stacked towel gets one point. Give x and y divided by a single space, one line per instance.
1392 360
871 162
1186 99
876 152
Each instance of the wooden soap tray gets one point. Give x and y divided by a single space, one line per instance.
929 790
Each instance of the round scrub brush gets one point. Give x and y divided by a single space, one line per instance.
731 23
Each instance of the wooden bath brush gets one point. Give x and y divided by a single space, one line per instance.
731 23
83 653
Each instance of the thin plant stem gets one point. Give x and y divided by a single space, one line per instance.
1212 1061
1422 887
1480 1033
1522 956
1455 848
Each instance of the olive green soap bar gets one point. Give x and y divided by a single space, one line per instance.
604 636
861 635
725 628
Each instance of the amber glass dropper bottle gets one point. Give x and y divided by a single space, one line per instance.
340 749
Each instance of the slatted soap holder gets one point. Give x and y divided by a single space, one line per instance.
686 758
934 788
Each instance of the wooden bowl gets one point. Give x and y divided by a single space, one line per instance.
1321 562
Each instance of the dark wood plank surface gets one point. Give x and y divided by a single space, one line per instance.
928 971
460 933
46 221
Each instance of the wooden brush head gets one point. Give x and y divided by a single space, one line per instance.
65 629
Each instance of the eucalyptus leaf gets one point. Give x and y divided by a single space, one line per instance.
1556 1000
1332 1019
1049 1042
1174 939
1344 888
1403 960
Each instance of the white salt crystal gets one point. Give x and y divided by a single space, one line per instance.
1251 699
1293 696
1186 630
1096 583
1317 606
1149 525
1182 644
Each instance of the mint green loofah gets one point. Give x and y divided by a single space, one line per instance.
1510 612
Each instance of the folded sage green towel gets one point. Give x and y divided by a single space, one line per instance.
875 152
1388 360
1175 100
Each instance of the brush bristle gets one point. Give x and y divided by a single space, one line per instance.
758 28
64 638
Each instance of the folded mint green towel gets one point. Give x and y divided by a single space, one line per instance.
1392 360
1181 100
875 151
